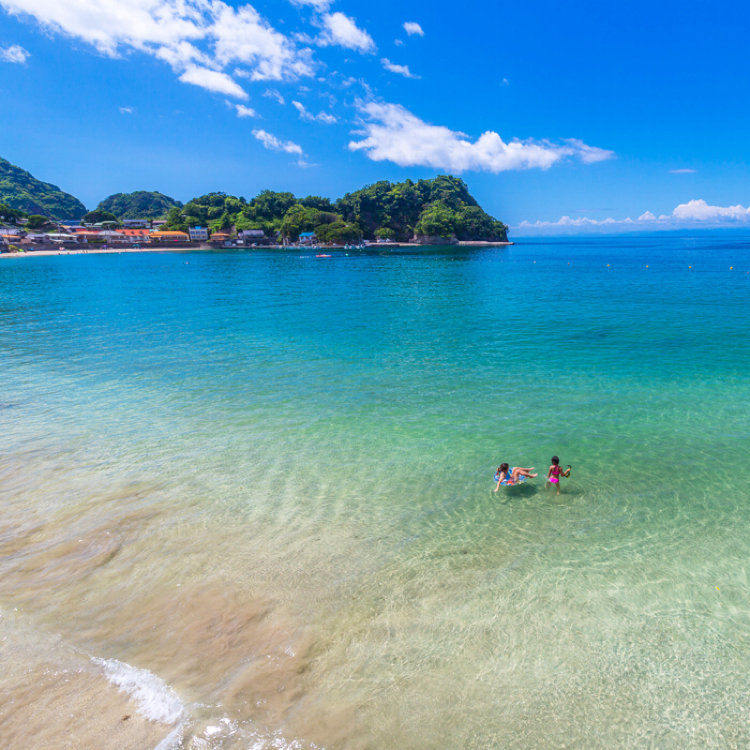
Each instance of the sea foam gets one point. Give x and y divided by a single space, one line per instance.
154 698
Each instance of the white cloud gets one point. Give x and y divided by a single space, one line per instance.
126 110
681 171
272 143
392 133
273 94
699 210
341 30
194 37
694 213
14 54
319 5
412 28
107 24
242 110
304 114
243 36
402 70
212 80
182 54
566 222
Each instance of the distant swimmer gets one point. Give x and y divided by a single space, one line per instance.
507 476
555 472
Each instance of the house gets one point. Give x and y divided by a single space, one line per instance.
54 237
254 237
198 234
307 238
87 236
112 235
134 235
135 223
168 236
221 238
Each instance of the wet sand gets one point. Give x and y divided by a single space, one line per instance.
50 709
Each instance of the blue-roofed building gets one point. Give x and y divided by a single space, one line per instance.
307 238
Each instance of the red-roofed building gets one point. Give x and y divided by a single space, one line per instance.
135 235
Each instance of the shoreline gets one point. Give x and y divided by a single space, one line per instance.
182 248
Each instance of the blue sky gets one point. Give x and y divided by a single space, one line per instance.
585 116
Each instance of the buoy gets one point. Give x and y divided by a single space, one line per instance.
647 265
607 265
731 267
689 266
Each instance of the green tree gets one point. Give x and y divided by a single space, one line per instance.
36 221
10 215
315 201
299 219
338 232
437 220
176 220
97 217
269 205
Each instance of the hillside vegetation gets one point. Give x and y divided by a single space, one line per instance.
141 204
401 211
442 207
22 191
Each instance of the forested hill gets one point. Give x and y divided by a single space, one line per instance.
442 207
22 191
401 211
142 204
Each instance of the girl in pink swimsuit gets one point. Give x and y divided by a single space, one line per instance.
555 472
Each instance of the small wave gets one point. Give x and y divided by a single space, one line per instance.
154 698
172 741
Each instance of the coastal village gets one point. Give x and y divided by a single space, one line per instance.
39 217
142 234
135 234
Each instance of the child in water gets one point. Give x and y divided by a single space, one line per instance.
506 475
555 472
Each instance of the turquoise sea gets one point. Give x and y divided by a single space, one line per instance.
246 497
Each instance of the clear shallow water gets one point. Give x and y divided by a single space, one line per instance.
260 484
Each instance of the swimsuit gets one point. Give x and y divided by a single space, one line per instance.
555 477
508 477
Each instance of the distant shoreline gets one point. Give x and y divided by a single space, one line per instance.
183 248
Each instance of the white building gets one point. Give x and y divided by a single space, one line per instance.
198 234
